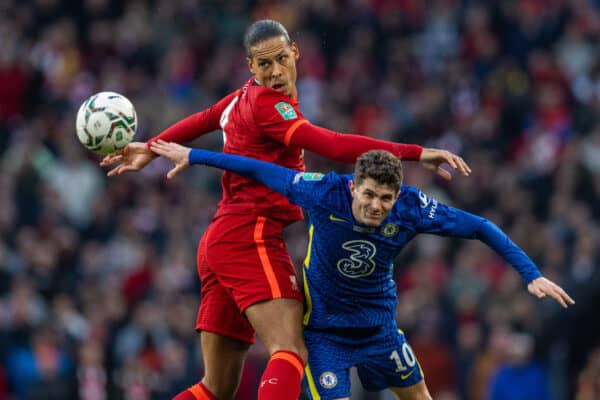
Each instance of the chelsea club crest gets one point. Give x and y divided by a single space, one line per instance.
390 230
328 380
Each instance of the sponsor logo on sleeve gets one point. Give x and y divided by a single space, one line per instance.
286 110
425 201
308 176
434 206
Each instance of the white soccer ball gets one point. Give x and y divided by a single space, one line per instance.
106 122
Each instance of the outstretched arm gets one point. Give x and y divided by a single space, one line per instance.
346 148
137 155
270 175
480 228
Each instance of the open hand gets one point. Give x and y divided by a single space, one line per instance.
177 153
542 287
132 157
432 159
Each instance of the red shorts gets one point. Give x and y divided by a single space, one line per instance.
242 260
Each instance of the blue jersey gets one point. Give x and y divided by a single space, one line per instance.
348 270
348 267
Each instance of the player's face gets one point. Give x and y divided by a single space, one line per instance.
273 63
372 201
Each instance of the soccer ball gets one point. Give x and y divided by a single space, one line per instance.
106 122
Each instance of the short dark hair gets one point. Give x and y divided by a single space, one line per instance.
263 30
381 166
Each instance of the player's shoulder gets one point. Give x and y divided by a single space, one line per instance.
411 196
411 202
414 205
324 188
330 179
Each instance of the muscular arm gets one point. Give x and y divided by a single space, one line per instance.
345 148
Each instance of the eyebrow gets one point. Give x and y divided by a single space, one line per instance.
259 59
383 196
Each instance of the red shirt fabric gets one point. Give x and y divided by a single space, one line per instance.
264 124
258 123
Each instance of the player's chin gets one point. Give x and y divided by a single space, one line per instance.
281 88
373 221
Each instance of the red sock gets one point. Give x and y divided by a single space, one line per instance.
196 392
282 377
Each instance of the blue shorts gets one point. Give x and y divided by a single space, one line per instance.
383 359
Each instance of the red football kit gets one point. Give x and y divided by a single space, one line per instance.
242 257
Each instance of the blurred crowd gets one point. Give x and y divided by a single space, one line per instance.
98 287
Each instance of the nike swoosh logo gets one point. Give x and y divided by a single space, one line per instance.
336 219
405 376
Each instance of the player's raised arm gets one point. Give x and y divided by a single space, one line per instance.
137 155
280 118
271 175
347 147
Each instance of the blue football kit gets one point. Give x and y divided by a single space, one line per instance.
350 294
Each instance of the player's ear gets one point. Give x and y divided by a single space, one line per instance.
250 66
295 50
352 187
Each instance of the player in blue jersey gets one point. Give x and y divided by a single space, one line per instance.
358 225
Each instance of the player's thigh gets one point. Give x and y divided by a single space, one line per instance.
223 363
278 323
418 391
327 372
218 312
249 258
390 363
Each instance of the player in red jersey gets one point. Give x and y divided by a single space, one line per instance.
249 283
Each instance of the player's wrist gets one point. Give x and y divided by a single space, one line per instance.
197 156
408 152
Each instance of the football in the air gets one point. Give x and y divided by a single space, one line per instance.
106 122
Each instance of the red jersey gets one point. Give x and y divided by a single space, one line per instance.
267 125
258 123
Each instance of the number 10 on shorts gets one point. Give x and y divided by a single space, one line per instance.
407 361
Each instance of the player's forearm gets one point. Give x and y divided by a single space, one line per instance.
487 232
346 148
270 175
195 125
187 129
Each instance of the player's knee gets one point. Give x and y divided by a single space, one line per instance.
303 353
297 348
423 395
289 341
